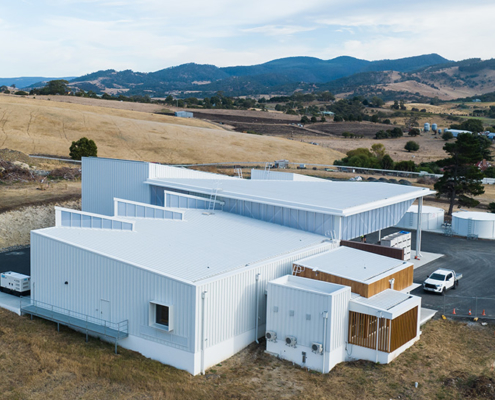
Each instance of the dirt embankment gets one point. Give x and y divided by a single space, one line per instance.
16 225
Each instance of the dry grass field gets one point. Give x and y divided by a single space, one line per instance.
39 363
37 126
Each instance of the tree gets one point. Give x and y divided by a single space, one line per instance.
382 135
313 119
396 133
338 118
407 166
447 136
84 147
323 119
472 125
411 146
374 118
377 102
491 207
305 120
414 132
461 180
378 150
387 162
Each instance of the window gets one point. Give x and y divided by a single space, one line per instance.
161 316
449 277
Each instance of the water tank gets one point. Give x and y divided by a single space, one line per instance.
466 223
439 131
431 218
434 127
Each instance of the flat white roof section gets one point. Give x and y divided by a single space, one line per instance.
353 264
308 285
389 304
329 197
197 248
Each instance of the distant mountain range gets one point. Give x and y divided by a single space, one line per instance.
239 80
413 77
24 82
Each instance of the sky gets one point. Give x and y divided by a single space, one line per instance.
58 38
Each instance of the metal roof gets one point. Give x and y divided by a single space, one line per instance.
308 285
353 264
329 197
197 248
385 300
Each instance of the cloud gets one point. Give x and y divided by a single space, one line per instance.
274 30
72 37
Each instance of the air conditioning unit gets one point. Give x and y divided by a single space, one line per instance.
290 341
271 336
317 348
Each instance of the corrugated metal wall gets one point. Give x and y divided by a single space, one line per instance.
231 301
371 221
298 313
339 320
165 171
322 224
92 278
103 179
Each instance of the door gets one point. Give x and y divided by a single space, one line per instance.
105 310
450 280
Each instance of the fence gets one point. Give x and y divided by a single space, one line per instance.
469 307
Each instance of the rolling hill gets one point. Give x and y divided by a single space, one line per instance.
263 78
36 126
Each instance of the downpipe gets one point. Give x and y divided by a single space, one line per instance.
203 331
256 324
325 320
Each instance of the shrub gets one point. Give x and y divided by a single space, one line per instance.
387 162
411 146
396 133
414 132
408 166
447 136
346 134
491 207
305 120
21 93
313 119
382 135
338 118
386 121
84 147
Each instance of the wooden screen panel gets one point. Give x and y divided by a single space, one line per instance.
363 331
404 328
391 252
402 278
356 287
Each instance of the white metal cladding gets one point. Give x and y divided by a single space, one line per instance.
165 171
474 223
103 179
340 317
177 200
231 300
374 220
77 219
431 218
301 303
139 210
323 224
92 277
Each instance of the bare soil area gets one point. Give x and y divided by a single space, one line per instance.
17 224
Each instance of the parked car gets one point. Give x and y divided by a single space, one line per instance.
371 179
405 182
356 178
441 280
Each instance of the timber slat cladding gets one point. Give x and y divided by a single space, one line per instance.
363 332
403 279
404 328
356 287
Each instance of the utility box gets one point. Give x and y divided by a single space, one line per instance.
399 240
14 283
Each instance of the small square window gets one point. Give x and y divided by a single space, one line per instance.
161 316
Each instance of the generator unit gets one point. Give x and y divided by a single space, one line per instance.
14 283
